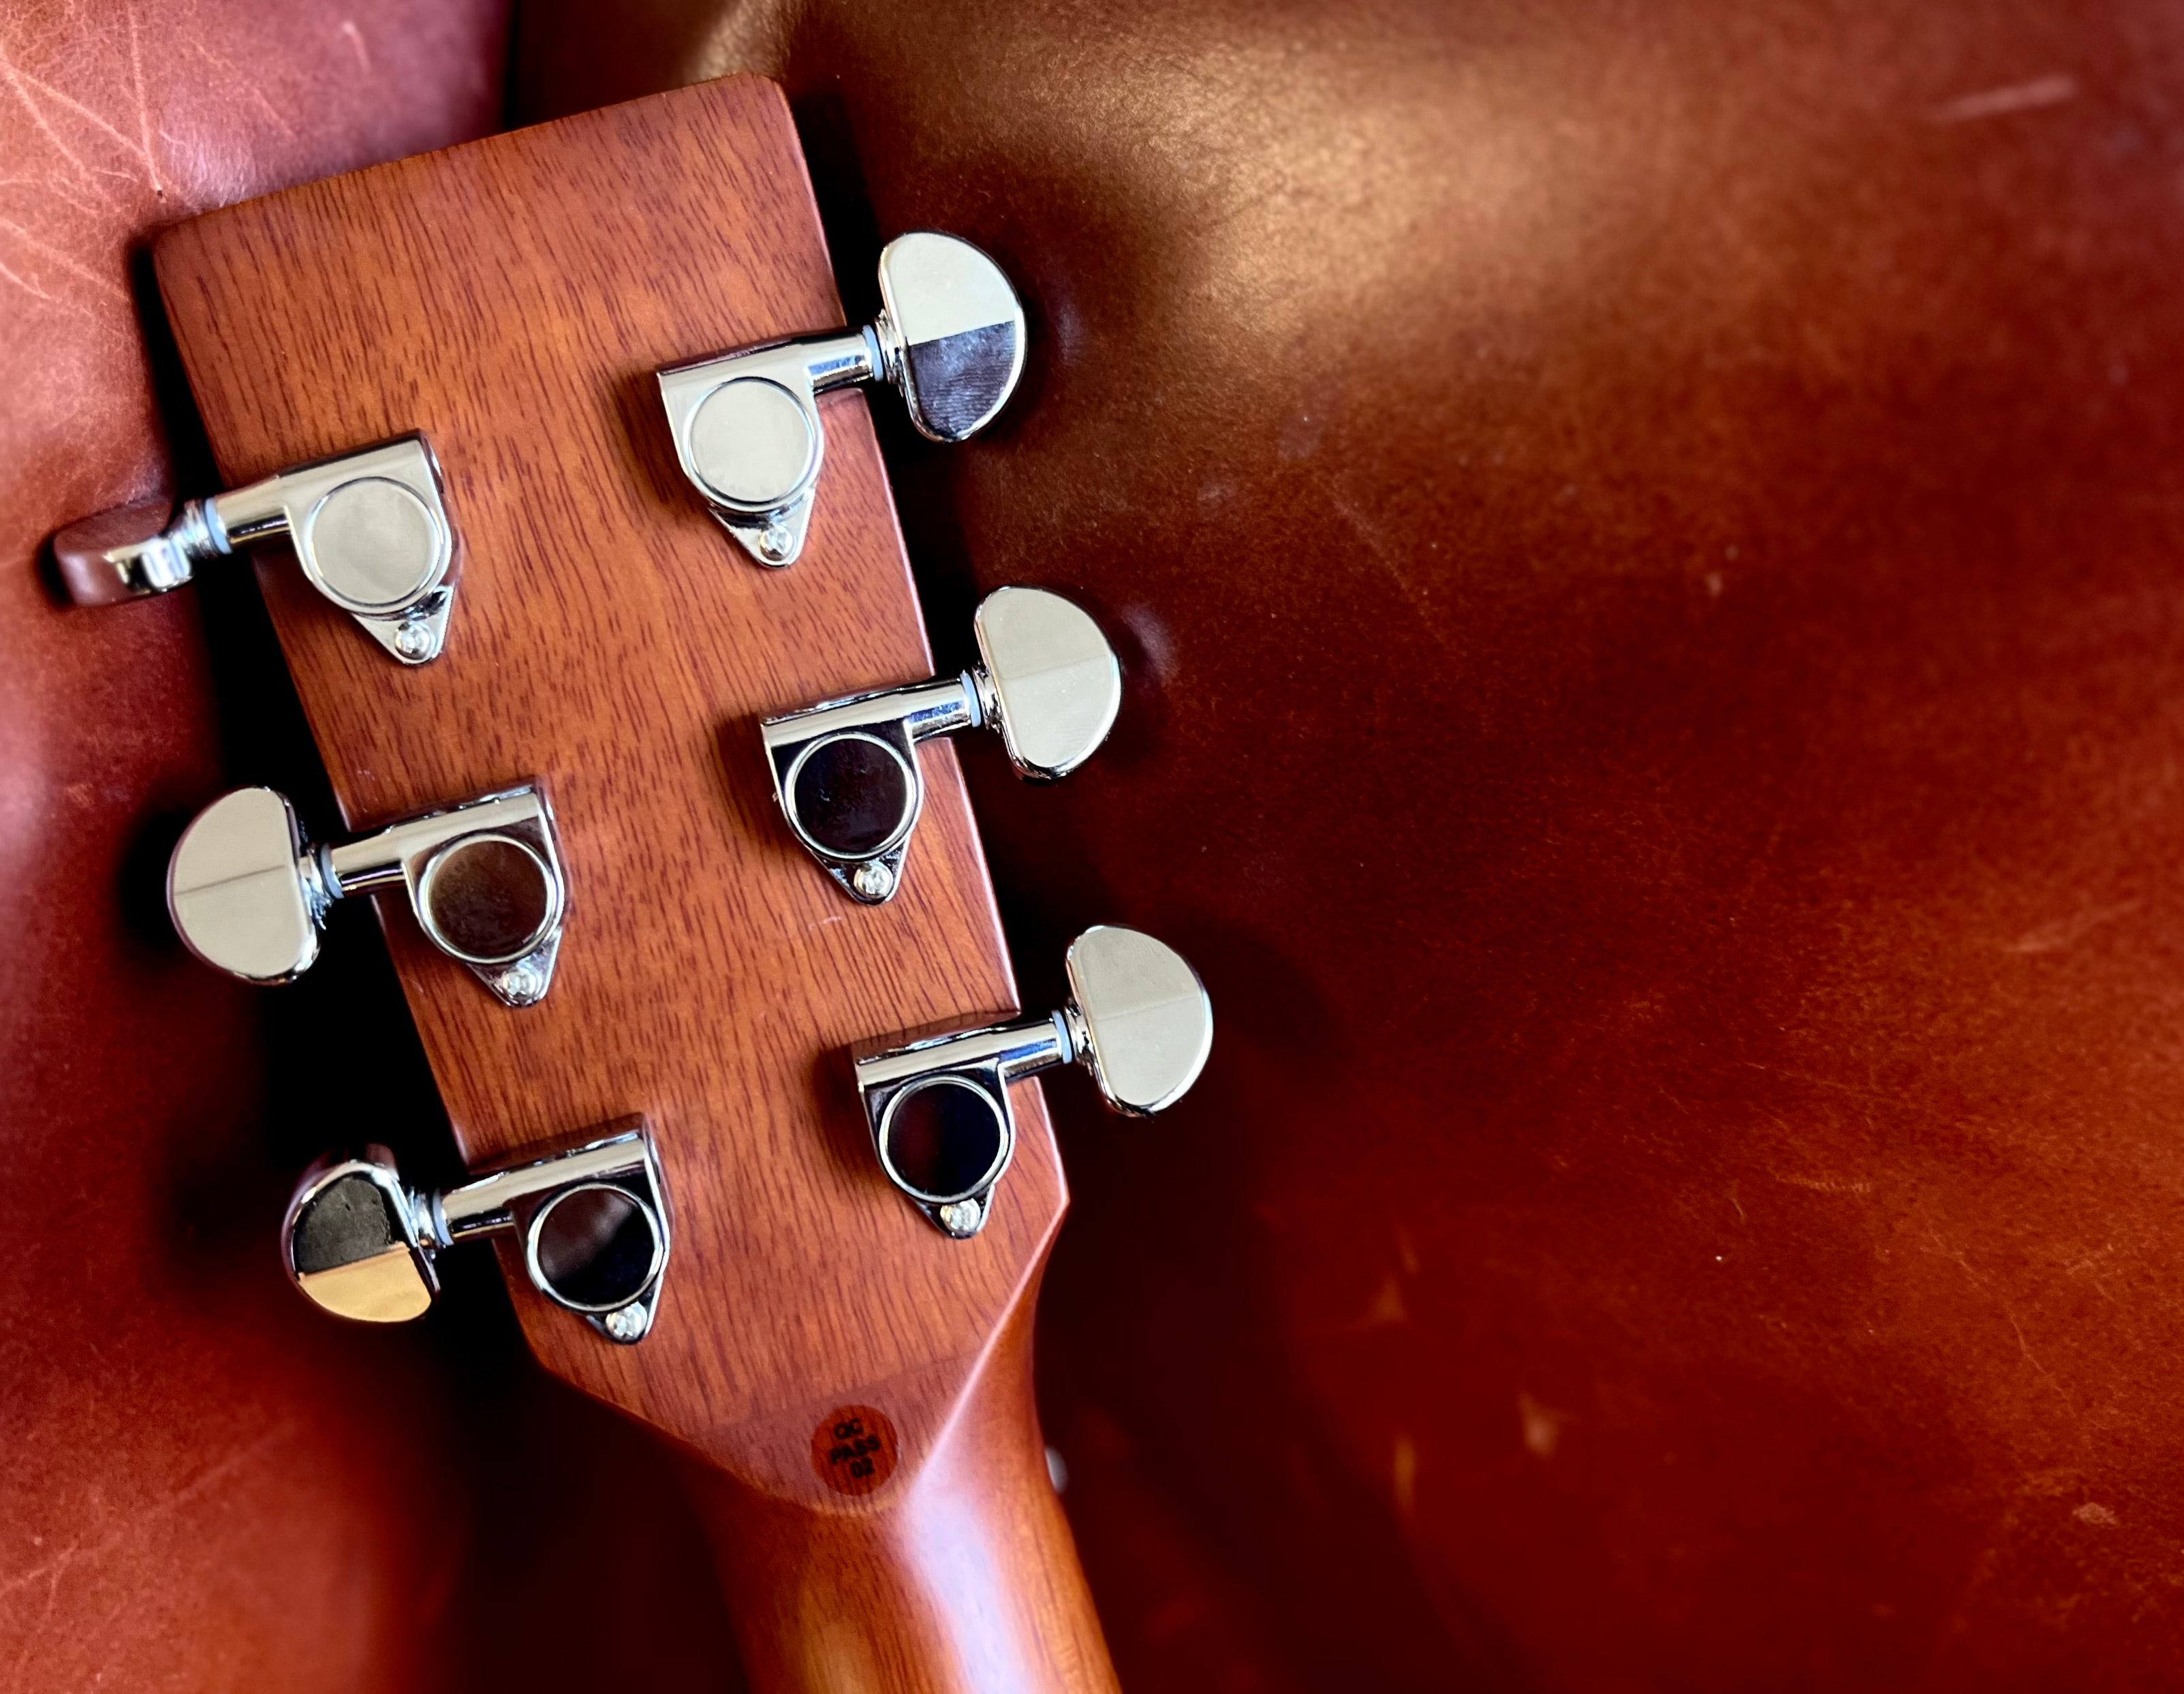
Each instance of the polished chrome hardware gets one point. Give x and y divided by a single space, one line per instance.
746 424
593 1222
484 878
369 528
1137 1018
846 773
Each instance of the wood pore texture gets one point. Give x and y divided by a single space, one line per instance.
513 298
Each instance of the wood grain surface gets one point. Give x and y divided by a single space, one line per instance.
512 298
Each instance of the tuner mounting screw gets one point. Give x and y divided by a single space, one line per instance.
629 1324
522 984
413 640
873 880
960 1218
775 542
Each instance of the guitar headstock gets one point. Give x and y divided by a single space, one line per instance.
511 303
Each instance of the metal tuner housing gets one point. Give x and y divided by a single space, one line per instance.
591 1222
369 528
846 771
248 895
950 339
1137 1018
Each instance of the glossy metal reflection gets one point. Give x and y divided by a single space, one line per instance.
360 1243
950 340
485 880
1137 1018
369 528
846 771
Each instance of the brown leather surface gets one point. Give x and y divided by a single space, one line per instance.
1647 543
204 1485
1645 539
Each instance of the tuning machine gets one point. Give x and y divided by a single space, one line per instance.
484 878
593 1223
846 771
746 424
1137 1018
371 530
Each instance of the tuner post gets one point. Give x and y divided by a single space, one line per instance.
369 528
845 771
950 340
1137 1018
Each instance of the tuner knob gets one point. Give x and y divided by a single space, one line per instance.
371 529
950 338
846 771
361 1243
484 878
1137 1018
357 1240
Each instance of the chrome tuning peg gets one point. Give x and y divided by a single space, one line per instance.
746 424
369 528
248 894
592 1221
1137 1018
845 771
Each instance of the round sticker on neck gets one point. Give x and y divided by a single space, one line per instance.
854 1449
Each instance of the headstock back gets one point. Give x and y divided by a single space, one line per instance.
512 299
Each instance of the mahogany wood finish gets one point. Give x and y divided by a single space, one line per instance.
958 1587
512 298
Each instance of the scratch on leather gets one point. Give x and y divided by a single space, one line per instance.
27 89
144 104
83 175
54 1570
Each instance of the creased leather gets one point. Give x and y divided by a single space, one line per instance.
1647 543
204 1486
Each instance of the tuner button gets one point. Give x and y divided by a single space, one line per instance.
1142 1018
122 554
239 890
351 1243
959 331
1056 685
